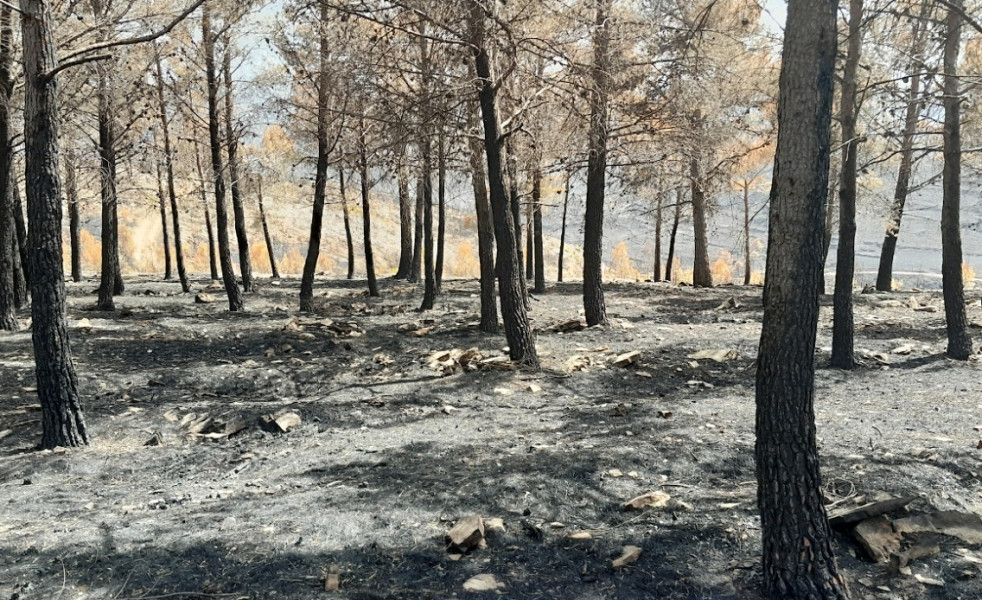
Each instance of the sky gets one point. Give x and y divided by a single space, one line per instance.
775 14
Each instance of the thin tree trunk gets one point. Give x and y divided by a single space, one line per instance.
8 234
405 217
416 273
232 145
562 230
182 274
656 274
429 286
884 274
511 165
959 340
20 224
518 329
529 239
111 279
831 209
747 270
266 235
221 216
670 261
320 177
538 250
485 238
162 201
798 560
702 275
212 249
843 326
594 305
74 216
62 422
346 215
441 229
366 215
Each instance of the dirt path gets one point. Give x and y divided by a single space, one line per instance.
391 451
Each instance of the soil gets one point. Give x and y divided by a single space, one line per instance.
391 451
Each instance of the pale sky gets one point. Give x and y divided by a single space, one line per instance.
775 14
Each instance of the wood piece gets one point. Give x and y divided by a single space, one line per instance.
720 355
280 423
654 499
964 526
483 583
627 359
466 534
878 539
849 515
630 554
332 582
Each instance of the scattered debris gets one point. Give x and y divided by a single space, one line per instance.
332 582
566 326
630 554
466 534
729 303
964 526
280 423
627 359
450 362
205 298
155 440
656 499
902 559
848 515
928 580
483 583
581 535
721 355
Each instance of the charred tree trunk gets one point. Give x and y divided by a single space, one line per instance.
8 233
266 235
747 269
798 561
831 209
20 225
485 238
702 274
111 280
441 226
212 249
62 422
74 216
346 216
429 286
656 274
594 305
959 340
843 326
405 217
516 215
182 274
538 249
366 215
670 261
320 177
162 202
562 230
518 330
884 274
221 216
416 273
529 238
232 146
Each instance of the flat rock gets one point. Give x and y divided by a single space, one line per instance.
964 526
483 583
849 515
466 534
877 537
630 554
656 499
627 359
720 355
205 298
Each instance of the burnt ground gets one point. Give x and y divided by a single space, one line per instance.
391 452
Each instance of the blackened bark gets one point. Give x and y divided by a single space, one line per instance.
798 561
320 176
20 224
416 272
366 216
162 201
529 241
485 238
831 209
182 274
266 235
516 214
74 216
884 273
843 325
702 275
232 146
670 260
405 217
346 216
221 215
212 250
518 329
8 234
441 203
429 286
111 282
538 250
62 422
747 272
562 230
594 306
656 274
959 340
